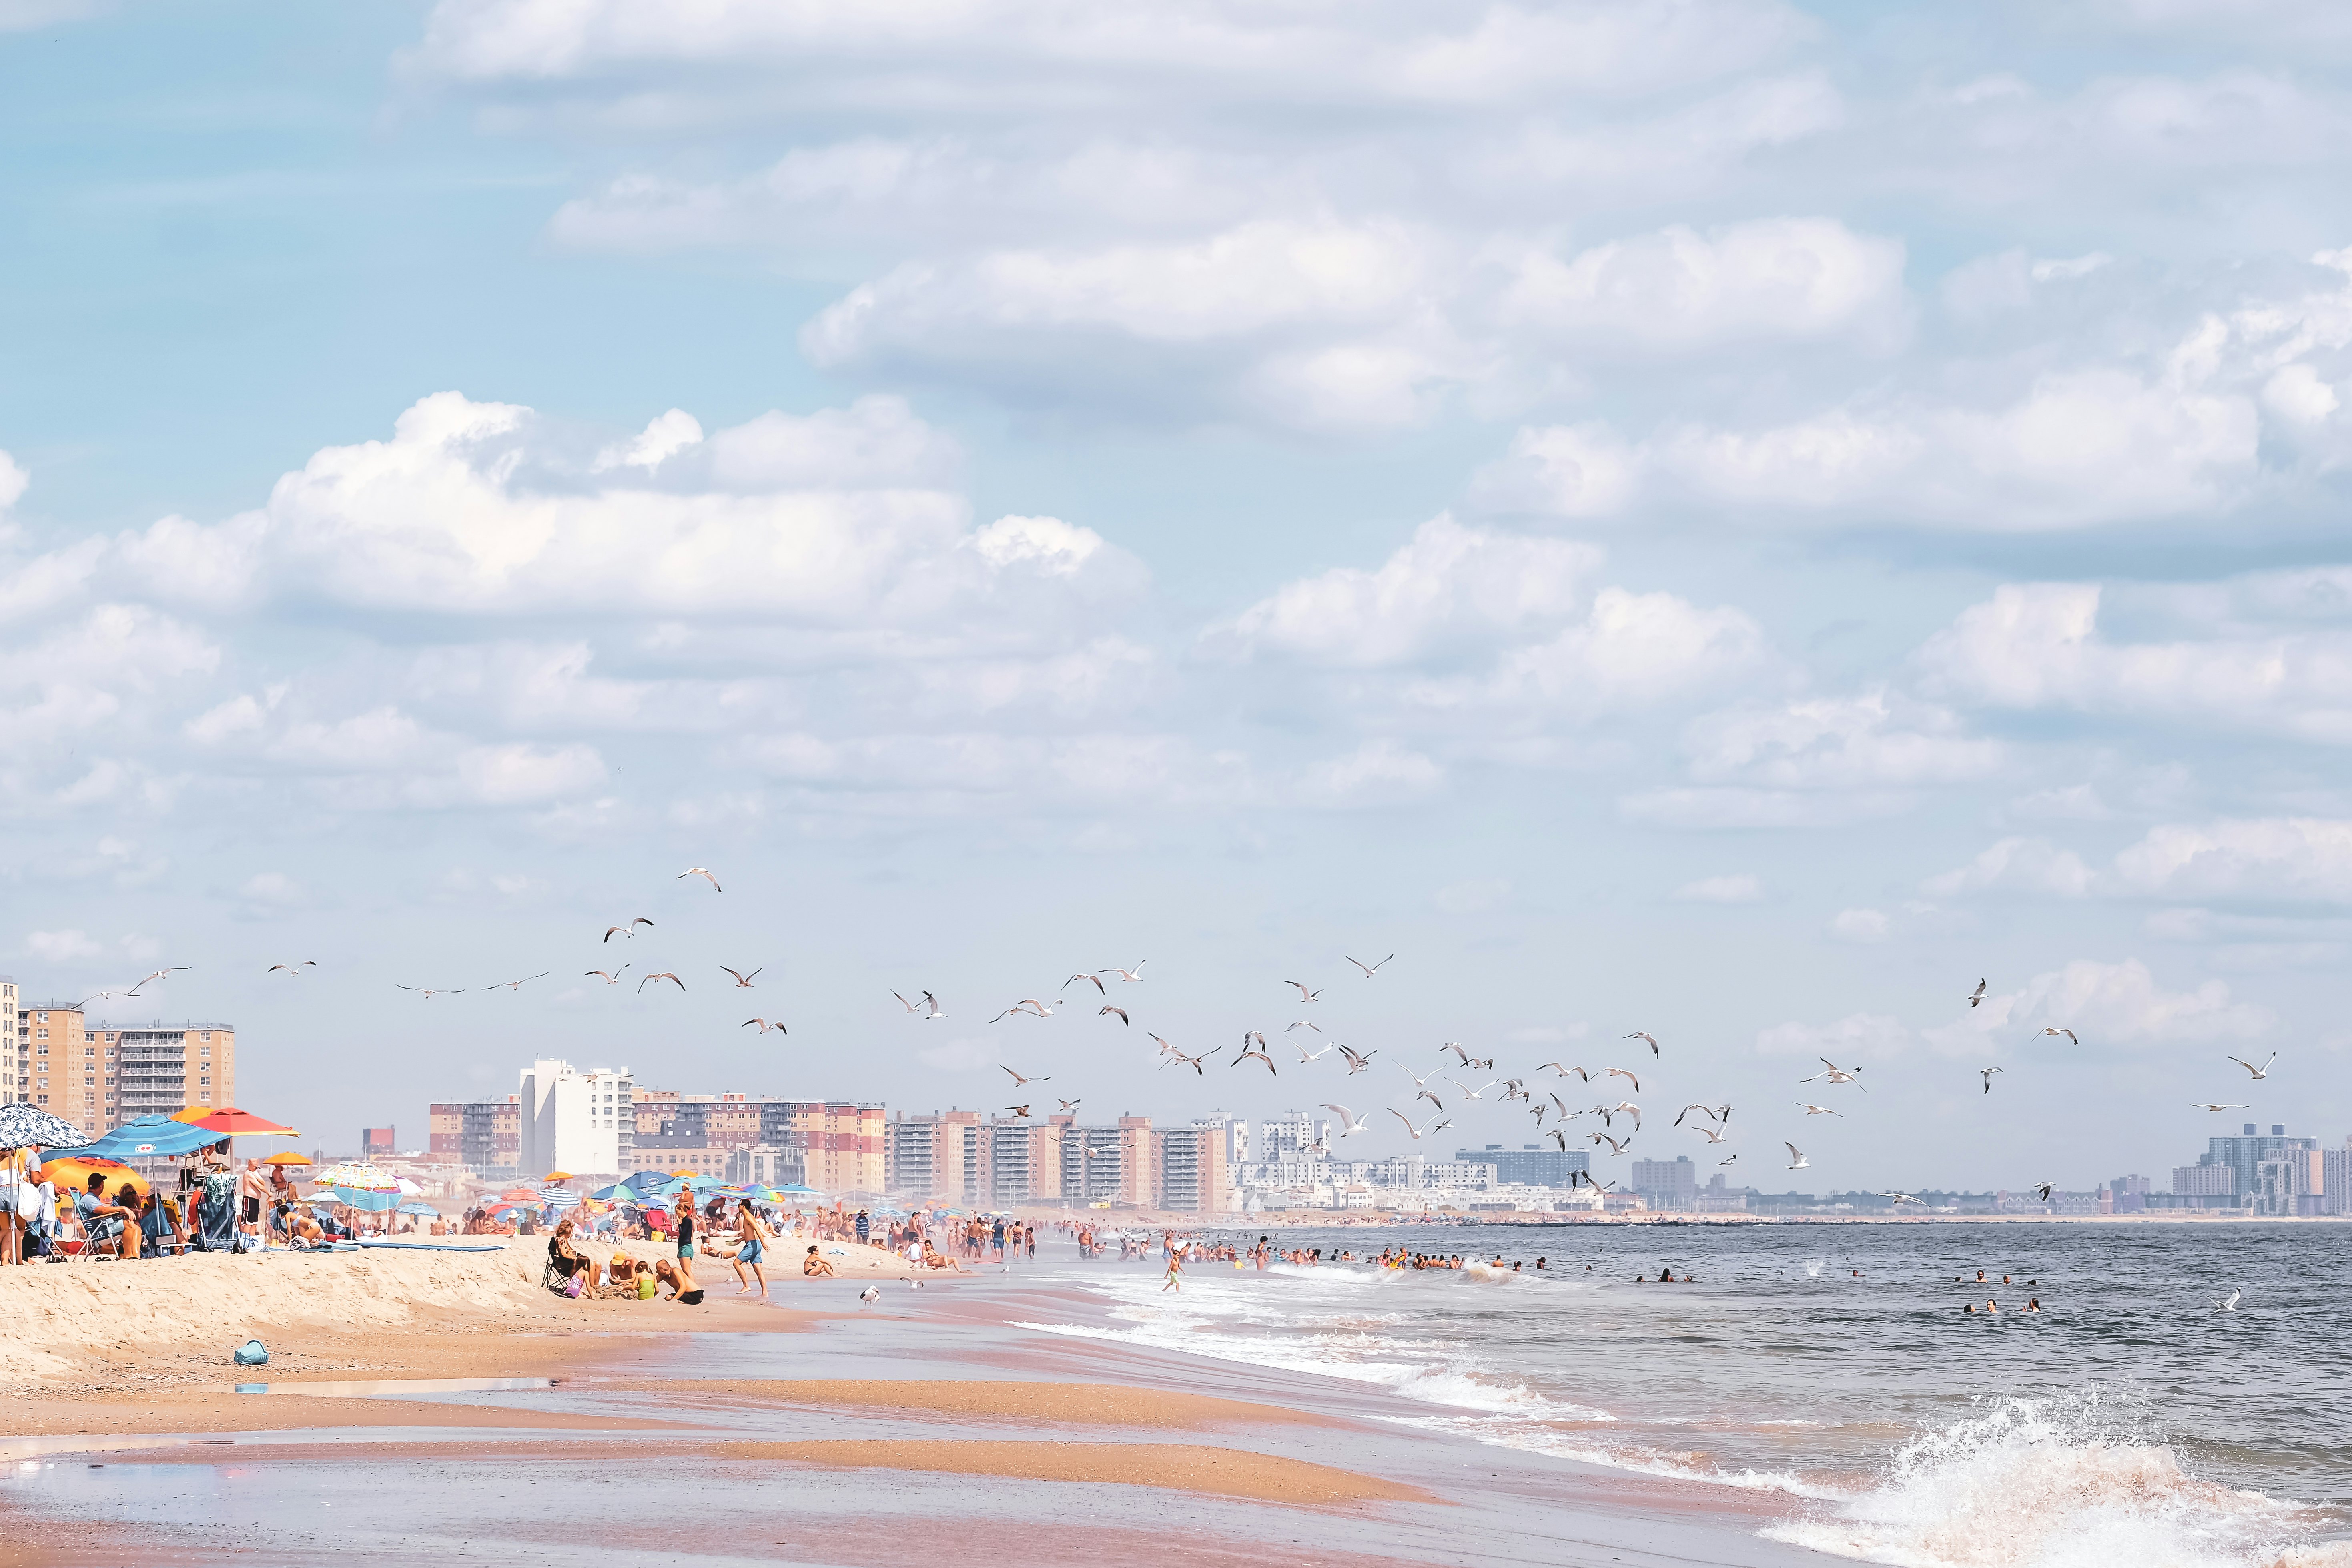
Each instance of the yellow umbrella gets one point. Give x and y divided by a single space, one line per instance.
74 1174
287 1157
557 1176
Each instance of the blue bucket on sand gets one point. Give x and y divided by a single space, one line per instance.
252 1354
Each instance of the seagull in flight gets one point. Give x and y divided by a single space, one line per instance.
664 975
1902 1198
1068 1106
2228 1304
1616 1145
1726 1160
1089 979
2041 1190
1358 1061
1193 1062
699 871
1304 993
1561 1139
917 1007
1255 1056
1369 969
1018 1081
1307 1056
161 975
2261 1072
1817 1109
1986 1074
1564 1072
1586 1177
1028 1006
1620 1072
2053 1029
427 995
1302 1023
1455 1047
1432 1099
1350 1123
765 1026
1433 1126
295 969
1021 1111
744 980
1468 1093
1797 1160
1123 1018
2208 1105
516 984
627 930
1837 1074
610 978
1978 994
1709 1134
1706 1110
1641 1035
1135 973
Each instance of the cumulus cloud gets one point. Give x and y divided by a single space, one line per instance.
2017 864
61 946
1737 888
2291 859
2103 1003
1855 1036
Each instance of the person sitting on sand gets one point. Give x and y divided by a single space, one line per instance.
813 1266
934 1259
678 1275
568 1260
104 1222
307 1230
622 1269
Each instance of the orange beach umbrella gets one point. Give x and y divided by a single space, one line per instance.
287 1157
73 1175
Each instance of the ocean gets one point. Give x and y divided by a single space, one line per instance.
2127 1425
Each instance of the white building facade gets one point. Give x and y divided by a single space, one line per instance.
584 1122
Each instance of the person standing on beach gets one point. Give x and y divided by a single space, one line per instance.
748 1226
16 1202
1175 1273
685 1230
253 1188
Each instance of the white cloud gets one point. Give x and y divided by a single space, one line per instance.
2286 858
1851 1038
61 946
1773 281
1632 651
14 481
1448 586
2038 644
1876 739
1378 772
1860 926
2103 1003
1739 888
1474 896
86 672
273 892
2017 864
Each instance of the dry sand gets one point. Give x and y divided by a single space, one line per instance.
1068 1403
62 1314
1178 1466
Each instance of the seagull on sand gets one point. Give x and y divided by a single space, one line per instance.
765 1026
1135 973
1978 994
664 975
871 1294
1089 979
1797 1160
609 976
295 969
1350 1123
1640 1035
744 980
2261 1072
1304 993
1369 969
1986 1074
627 930
699 871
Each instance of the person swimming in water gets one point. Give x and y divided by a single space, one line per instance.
2034 1303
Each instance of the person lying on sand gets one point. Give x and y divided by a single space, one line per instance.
815 1267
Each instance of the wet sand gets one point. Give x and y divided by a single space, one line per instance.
1065 1404
1178 1466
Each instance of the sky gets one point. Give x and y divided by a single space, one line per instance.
1720 518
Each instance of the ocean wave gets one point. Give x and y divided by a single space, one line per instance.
2058 1483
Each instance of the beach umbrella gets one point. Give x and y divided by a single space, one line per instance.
618 1192
558 1176
287 1157
519 1195
228 1121
148 1137
801 1192
73 1173
560 1200
421 1209
408 1189
29 1127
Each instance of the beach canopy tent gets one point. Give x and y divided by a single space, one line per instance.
149 1137
29 1127
228 1121
72 1175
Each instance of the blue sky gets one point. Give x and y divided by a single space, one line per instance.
1727 519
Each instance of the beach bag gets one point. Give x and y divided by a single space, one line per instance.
252 1354
572 1287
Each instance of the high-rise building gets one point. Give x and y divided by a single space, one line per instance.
16 1058
584 1122
1294 1135
2244 1156
484 1135
2127 1195
1235 1132
1193 1175
843 1142
1529 1164
1667 1183
99 1077
2336 1179
378 1142
2203 1181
